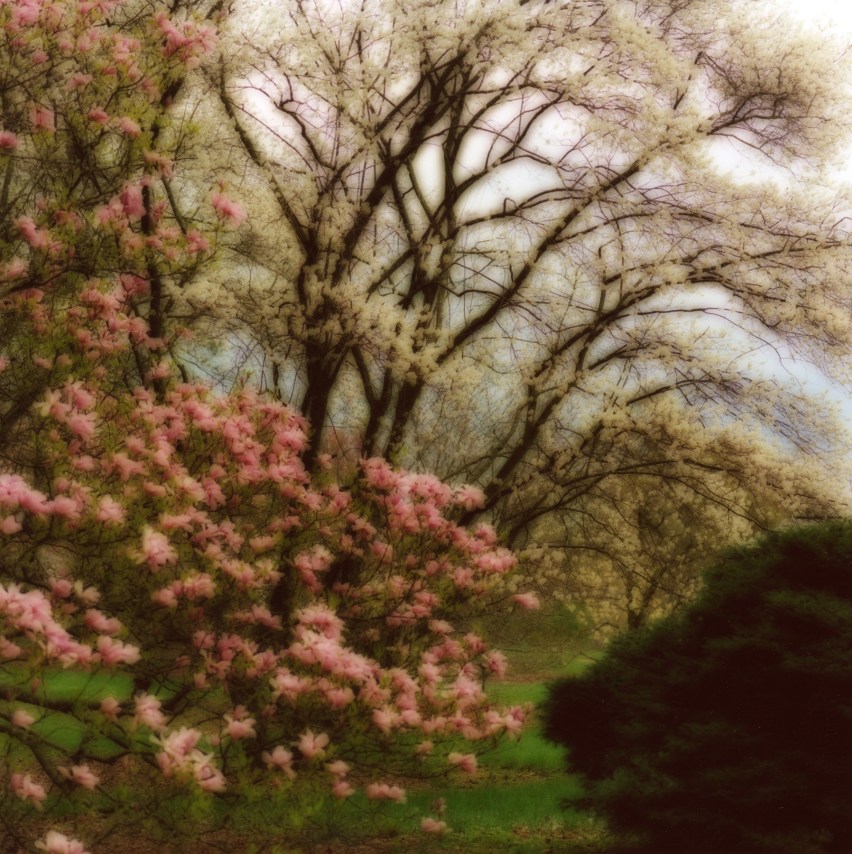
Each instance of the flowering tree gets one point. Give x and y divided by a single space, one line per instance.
636 549
273 628
235 624
513 226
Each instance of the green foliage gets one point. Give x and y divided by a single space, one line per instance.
729 727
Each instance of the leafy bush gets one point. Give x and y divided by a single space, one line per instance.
728 727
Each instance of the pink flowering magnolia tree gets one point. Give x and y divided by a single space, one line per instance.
231 625
88 184
262 626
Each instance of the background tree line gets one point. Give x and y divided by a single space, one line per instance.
514 228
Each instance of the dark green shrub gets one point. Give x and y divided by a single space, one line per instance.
728 728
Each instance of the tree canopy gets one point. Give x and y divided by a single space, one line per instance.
276 281
514 225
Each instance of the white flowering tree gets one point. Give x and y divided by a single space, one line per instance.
499 241
634 549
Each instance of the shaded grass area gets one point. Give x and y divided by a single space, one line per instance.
66 688
519 802
516 815
72 686
541 647
56 697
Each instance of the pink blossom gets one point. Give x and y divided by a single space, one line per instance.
342 789
173 521
498 560
228 210
43 119
148 712
125 49
528 601
210 779
80 397
22 719
97 621
470 497
486 534
239 725
281 759
83 776
8 140
61 588
129 127
25 13
163 164
201 586
126 467
338 768
87 595
98 116
110 708
78 80
496 663
289 685
385 792
157 490
464 761
338 697
513 720
262 544
82 424
179 744
15 269
379 474
433 825
321 617
25 788
66 507
385 719
109 511
196 242
112 651
132 201
189 41
311 745
38 238
9 525
55 842
9 650
156 549
165 597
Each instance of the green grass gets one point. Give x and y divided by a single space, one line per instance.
72 686
58 729
530 752
517 802
520 802
523 816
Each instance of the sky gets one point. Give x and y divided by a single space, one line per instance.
833 12
836 17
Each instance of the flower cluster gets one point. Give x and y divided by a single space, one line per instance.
218 563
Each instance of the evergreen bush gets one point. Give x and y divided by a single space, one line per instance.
728 727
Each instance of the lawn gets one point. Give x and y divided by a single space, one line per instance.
519 801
